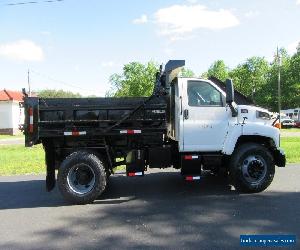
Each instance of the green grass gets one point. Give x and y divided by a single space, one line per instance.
291 147
16 159
11 136
121 167
290 130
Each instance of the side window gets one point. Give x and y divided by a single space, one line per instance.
203 94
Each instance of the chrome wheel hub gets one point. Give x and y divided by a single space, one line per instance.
81 178
254 169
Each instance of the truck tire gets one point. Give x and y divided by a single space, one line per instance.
81 178
252 168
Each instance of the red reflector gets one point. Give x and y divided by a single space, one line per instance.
188 157
192 178
30 111
75 133
136 174
31 128
131 131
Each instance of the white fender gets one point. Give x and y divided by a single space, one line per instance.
262 130
255 129
234 132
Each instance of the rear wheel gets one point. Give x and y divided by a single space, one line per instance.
81 178
251 168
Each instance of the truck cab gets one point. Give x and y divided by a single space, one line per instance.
205 122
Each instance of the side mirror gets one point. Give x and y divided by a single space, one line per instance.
230 97
229 91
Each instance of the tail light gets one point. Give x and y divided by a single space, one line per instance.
30 111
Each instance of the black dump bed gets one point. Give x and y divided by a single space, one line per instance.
59 117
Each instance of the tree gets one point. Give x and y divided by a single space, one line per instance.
258 79
268 95
137 79
187 73
204 75
239 76
291 89
290 81
251 76
298 48
219 70
52 93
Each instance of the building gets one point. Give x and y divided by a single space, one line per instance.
11 115
292 113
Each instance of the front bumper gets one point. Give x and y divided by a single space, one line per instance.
279 157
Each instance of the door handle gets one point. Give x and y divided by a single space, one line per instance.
180 105
186 114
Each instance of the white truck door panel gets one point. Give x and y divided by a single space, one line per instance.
205 117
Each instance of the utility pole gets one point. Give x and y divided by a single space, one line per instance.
28 81
279 88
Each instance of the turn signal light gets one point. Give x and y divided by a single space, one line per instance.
277 125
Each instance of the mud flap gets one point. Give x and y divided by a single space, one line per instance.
279 157
50 163
135 163
191 167
50 179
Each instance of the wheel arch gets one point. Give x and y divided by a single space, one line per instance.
100 153
265 141
259 139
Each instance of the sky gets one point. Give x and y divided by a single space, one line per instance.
77 44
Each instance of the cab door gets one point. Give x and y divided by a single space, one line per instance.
204 117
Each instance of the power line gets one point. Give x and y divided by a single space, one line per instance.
59 81
32 2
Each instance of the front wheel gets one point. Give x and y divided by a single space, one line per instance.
252 168
81 178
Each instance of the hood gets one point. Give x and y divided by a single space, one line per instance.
254 114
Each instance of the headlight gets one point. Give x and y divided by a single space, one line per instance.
263 115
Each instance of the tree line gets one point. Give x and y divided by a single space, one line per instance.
256 78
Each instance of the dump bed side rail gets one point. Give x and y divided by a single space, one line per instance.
88 117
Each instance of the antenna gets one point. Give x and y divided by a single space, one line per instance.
28 82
